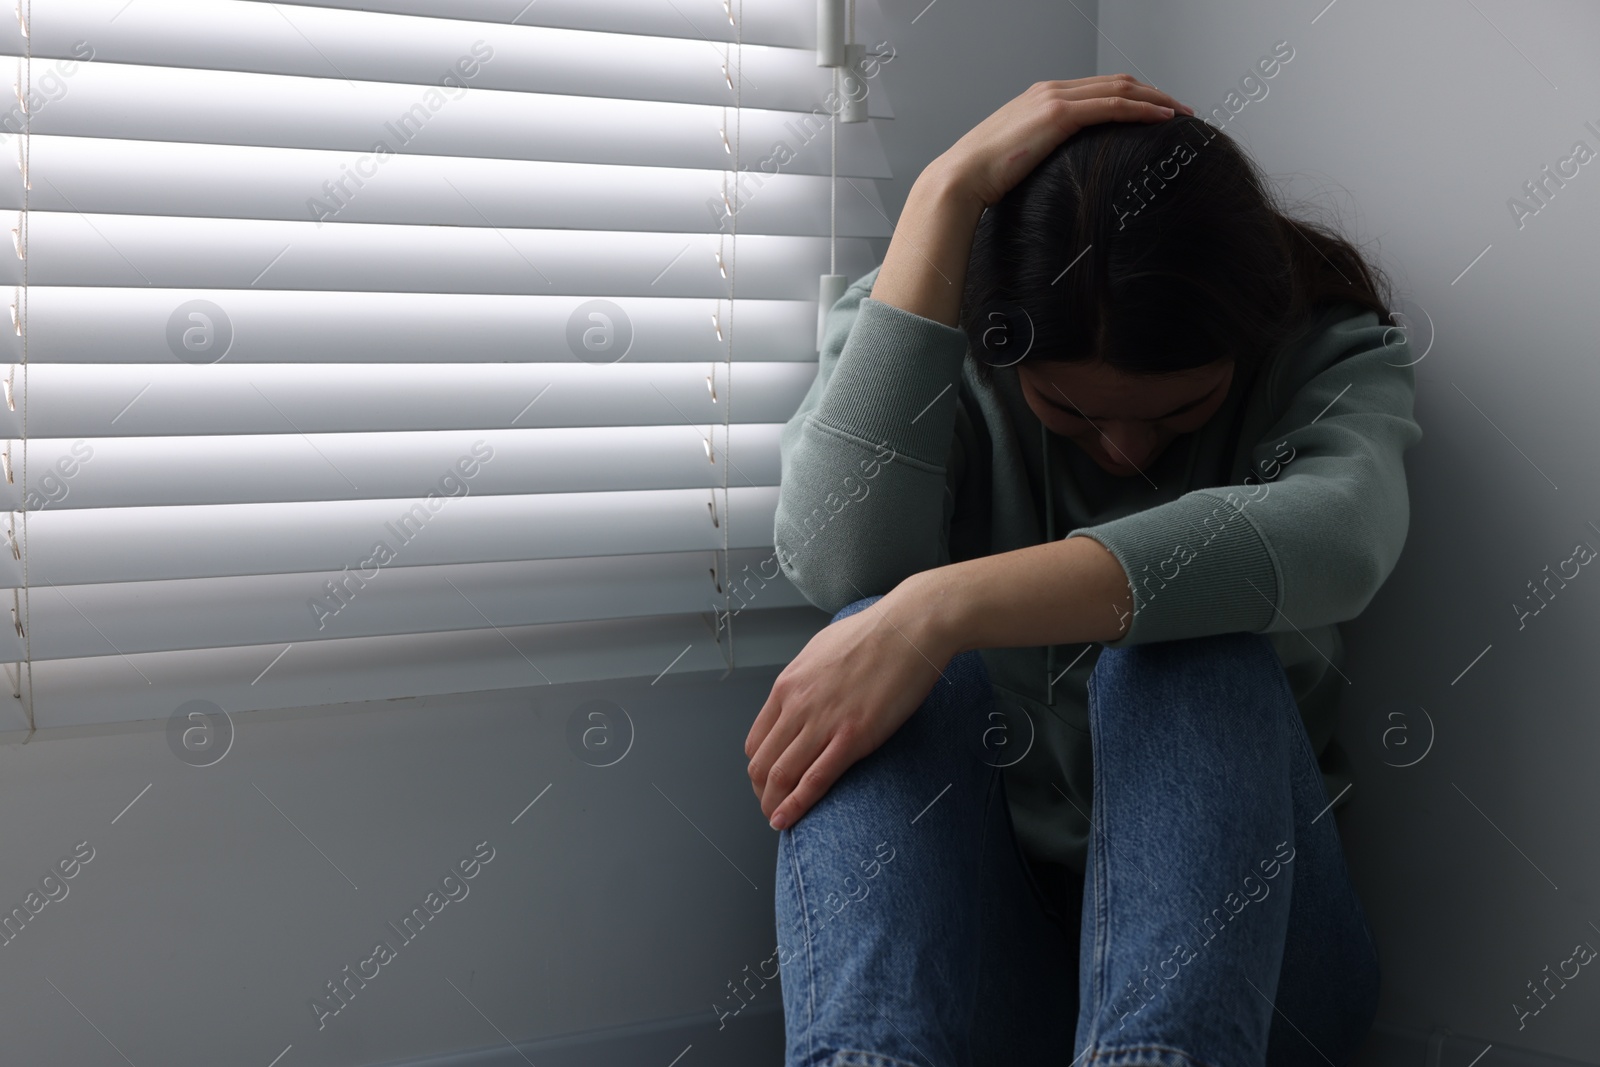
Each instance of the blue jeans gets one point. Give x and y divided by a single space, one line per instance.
1216 926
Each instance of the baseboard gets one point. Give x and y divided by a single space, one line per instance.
753 1038
1391 1045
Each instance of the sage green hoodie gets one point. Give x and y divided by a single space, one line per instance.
1282 516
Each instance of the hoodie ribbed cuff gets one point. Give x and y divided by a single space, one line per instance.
1197 566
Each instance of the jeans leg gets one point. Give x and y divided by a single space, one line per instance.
887 888
1329 980
1218 916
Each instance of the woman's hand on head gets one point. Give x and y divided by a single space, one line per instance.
925 267
995 155
847 692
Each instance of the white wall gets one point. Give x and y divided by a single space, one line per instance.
1415 122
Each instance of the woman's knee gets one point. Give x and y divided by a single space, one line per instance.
1197 690
1243 659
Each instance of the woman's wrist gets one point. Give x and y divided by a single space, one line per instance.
944 178
925 608
926 265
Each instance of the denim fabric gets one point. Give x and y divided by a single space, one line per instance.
1216 926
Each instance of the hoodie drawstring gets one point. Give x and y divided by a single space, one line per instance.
1049 536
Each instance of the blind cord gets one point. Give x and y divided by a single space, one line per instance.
833 148
733 281
833 180
25 687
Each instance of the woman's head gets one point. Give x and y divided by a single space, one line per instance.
1134 273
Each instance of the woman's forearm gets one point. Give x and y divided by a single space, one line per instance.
925 267
1058 593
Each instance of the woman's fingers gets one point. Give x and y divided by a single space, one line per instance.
1093 79
788 766
825 769
1100 109
1112 87
778 739
763 723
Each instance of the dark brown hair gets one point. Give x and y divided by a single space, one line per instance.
1156 247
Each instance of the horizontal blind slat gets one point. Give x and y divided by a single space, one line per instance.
287 468
225 181
96 546
227 108
94 400
134 326
787 25
150 250
449 55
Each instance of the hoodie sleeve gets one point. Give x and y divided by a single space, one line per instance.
869 461
1309 537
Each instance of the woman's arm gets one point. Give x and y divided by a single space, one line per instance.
1059 593
926 264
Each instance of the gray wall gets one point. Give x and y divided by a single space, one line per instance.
1411 125
222 900
958 61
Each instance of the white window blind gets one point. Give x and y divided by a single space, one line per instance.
280 271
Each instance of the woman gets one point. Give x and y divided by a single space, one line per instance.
1103 452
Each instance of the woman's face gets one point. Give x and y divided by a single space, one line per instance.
1123 421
